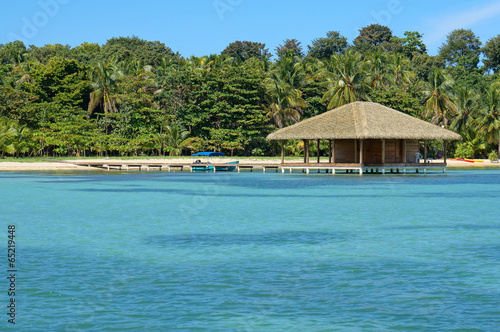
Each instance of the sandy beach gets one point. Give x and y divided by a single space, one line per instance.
69 165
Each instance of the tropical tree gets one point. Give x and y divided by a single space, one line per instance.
286 102
290 45
400 73
466 101
324 48
14 137
490 119
462 47
177 139
284 84
346 79
105 76
377 73
438 97
492 54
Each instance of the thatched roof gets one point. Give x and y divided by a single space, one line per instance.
363 120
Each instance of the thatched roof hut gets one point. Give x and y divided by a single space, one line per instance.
366 133
363 120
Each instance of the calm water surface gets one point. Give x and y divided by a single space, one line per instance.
254 252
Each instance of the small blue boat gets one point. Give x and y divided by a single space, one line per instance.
208 165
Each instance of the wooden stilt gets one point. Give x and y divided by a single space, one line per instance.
329 151
317 148
425 152
282 151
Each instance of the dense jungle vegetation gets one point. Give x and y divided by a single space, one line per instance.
133 97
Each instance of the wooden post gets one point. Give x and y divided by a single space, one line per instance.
361 151
306 151
330 151
404 151
317 148
333 151
356 151
444 151
425 152
282 151
383 152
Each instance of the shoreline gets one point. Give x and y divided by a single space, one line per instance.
67 165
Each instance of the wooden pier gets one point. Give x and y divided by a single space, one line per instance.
332 168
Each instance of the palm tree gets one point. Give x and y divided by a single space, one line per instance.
438 100
466 104
490 119
284 84
104 79
177 139
346 79
377 70
13 137
400 75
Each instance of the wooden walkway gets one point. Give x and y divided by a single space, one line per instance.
363 168
286 167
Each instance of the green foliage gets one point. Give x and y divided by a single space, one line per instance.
400 100
412 44
324 48
493 156
148 52
492 54
14 138
136 97
346 79
245 50
464 150
288 45
376 37
462 47
13 53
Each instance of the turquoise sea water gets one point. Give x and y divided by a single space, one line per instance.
254 252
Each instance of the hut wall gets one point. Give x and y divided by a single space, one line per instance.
344 151
412 147
373 152
391 151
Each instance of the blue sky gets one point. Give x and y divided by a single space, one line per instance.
202 27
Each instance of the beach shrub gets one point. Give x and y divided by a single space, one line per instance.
464 150
493 156
257 152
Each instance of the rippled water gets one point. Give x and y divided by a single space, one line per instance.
254 252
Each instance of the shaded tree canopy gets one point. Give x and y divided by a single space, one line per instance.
412 44
290 45
492 54
375 36
148 52
325 47
245 50
462 47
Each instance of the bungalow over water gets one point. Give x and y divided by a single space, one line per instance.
366 137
